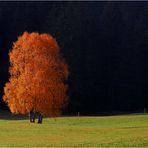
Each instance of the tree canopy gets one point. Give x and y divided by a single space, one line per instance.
38 75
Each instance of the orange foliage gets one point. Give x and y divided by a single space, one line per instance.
37 76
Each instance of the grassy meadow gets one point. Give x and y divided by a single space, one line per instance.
109 131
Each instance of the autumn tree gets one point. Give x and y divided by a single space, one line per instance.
38 74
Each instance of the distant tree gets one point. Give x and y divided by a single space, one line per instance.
38 74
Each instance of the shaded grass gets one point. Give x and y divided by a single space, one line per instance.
112 131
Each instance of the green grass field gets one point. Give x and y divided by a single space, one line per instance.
112 131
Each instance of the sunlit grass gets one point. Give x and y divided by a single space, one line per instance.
115 131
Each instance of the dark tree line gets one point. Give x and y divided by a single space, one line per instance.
104 43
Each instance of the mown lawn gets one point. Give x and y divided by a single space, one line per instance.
112 131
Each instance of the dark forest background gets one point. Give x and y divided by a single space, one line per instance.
105 45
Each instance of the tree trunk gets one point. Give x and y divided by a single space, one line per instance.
40 118
32 117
